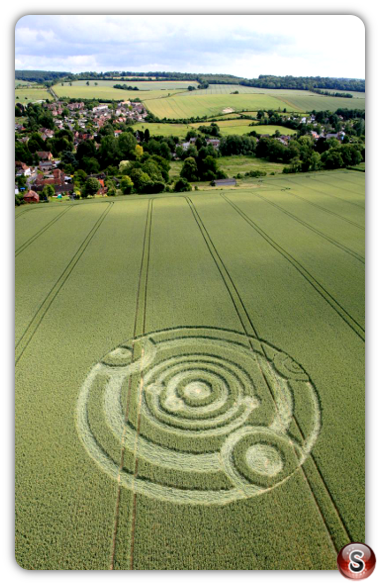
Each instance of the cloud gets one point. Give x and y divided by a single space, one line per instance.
242 45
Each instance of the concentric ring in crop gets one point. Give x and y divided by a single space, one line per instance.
198 401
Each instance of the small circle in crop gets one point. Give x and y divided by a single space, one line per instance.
356 561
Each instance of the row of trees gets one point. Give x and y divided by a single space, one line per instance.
303 154
290 82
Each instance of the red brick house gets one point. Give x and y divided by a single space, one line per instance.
57 179
31 197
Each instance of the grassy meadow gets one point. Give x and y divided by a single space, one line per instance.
233 165
192 360
24 96
168 99
189 105
241 127
227 127
142 85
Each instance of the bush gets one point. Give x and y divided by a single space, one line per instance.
181 186
19 200
254 174
126 185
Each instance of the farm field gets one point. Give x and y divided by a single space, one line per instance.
216 89
192 360
27 95
179 130
241 127
24 82
295 99
207 102
233 165
189 105
142 85
355 94
106 92
307 103
227 127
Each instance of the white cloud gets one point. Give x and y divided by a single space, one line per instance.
243 45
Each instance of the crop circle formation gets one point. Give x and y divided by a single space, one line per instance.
210 415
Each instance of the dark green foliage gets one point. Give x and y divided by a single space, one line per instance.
90 187
181 185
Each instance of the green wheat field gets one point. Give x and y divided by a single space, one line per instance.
192 360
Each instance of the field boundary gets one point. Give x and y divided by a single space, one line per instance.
31 329
138 328
334 304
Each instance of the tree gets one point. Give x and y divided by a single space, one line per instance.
21 182
87 83
46 120
165 151
140 179
91 187
68 158
350 154
295 165
108 152
86 149
179 152
189 169
80 178
332 159
139 151
126 185
35 142
48 191
182 185
207 168
22 153
192 152
126 144
91 165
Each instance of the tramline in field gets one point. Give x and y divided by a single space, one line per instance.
151 398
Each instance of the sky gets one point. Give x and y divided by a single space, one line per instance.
247 46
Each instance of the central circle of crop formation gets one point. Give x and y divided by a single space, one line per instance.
198 415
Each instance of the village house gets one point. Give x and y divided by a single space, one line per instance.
100 108
215 142
44 155
58 178
31 197
46 166
76 106
22 169
338 135
46 133
283 140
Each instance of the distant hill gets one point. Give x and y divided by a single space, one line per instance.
39 76
264 81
